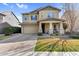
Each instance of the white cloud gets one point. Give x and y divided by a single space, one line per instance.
5 4
22 6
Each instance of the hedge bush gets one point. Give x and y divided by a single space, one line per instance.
40 34
17 29
8 31
74 36
11 30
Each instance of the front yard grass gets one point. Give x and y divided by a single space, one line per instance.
58 45
3 37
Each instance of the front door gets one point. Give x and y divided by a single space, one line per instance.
54 30
43 28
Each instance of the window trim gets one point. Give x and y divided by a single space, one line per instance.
33 17
25 17
50 15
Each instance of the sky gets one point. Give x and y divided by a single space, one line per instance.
19 8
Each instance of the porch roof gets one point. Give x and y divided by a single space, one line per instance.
24 23
52 19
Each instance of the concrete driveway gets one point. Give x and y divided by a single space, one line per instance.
19 38
23 45
18 44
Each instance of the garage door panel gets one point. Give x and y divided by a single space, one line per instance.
30 29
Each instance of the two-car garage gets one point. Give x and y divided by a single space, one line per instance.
30 28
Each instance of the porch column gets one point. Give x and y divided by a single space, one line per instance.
61 28
50 28
22 29
40 28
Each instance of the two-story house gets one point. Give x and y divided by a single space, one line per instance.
44 20
7 19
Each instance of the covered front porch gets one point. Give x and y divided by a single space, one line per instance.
51 27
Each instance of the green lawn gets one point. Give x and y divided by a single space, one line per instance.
3 37
55 44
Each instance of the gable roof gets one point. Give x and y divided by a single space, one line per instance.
42 8
15 17
11 13
2 14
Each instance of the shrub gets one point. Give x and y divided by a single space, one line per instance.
8 30
39 34
51 34
57 33
11 30
17 30
54 34
74 36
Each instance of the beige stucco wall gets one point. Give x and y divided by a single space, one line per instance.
30 28
44 13
29 17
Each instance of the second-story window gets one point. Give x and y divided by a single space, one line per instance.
33 17
50 15
25 17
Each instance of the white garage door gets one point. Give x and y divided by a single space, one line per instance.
31 28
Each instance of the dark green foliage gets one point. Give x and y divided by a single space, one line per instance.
8 31
40 34
17 29
11 30
74 36
54 34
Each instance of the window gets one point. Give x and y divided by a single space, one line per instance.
50 15
33 17
25 17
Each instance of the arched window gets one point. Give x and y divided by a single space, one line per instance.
33 17
50 15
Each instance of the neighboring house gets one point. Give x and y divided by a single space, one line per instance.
44 20
1 17
7 19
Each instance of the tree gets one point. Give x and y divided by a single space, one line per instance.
70 15
65 26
